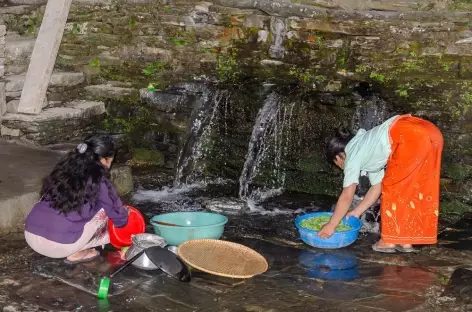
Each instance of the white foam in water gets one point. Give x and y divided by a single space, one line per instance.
277 212
259 196
225 205
166 193
174 192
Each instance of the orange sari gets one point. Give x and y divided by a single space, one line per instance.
410 188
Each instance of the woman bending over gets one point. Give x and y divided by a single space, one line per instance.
77 199
410 148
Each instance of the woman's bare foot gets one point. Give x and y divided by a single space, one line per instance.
406 248
383 247
123 253
82 256
382 244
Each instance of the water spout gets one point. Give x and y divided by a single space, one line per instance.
278 28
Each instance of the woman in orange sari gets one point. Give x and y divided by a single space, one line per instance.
411 149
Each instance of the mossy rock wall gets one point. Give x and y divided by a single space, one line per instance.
418 55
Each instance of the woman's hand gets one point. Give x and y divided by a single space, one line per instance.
354 213
344 201
326 231
369 199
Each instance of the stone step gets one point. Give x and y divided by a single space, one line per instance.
16 9
18 49
53 125
28 2
110 91
14 83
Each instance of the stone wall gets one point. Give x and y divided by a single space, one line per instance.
416 53
3 105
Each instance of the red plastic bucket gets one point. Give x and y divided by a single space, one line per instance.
121 237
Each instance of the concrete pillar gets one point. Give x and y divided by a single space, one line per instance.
3 104
44 56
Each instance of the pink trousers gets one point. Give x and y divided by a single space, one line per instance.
95 234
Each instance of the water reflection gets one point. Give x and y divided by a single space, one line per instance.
103 305
332 265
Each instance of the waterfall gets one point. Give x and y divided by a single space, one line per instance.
270 133
196 146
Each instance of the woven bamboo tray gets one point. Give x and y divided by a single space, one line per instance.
223 258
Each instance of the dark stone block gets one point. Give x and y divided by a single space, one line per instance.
166 101
460 285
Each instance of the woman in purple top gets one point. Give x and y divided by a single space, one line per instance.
77 199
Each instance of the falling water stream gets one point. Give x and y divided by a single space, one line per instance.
270 131
189 167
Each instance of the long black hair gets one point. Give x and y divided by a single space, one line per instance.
337 144
76 179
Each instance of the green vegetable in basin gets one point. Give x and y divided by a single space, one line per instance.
316 223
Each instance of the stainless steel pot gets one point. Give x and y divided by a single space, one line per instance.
141 242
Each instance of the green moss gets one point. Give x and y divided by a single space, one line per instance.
63 62
94 63
311 165
142 156
377 77
227 66
402 90
75 29
342 57
183 37
132 23
178 42
361 68
459 173
225 20
205 50
453 207
154 67
25 24
466 103
461 5
302 75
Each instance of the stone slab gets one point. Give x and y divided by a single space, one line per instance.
15 83
18 49
460 285
20 179
3 104
77 109
23 169
15 9
108 91
123 179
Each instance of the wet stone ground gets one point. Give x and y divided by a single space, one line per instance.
300 278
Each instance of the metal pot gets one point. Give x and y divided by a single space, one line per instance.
141 242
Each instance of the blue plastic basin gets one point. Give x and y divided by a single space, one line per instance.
193 225
337 240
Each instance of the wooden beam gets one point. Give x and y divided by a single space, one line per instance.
44 56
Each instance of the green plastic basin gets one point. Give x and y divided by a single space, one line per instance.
192 225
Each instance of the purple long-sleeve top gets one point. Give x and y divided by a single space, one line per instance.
45 221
